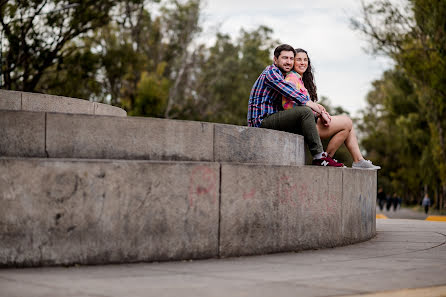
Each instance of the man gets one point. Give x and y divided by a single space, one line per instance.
265 106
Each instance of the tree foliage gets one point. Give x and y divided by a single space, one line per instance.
142 55
37 34
409 101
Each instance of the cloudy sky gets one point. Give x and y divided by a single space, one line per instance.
343 71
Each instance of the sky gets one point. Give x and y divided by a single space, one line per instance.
344 72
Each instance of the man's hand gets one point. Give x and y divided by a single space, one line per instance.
322 108
325 118
314 106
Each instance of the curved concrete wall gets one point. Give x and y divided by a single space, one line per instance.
25 101
74 188
61 211
55 135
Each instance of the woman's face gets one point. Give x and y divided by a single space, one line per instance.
301 63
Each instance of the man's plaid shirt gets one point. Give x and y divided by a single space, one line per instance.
266 95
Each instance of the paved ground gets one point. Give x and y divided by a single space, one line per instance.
402 213
405 254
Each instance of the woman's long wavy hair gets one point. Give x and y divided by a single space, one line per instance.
308 77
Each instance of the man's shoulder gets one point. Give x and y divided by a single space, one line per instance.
271 67
272 70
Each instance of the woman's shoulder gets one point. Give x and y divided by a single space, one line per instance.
293 74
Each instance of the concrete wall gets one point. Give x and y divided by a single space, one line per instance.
74 188
25 101
56 135
57 212
61 211
267 209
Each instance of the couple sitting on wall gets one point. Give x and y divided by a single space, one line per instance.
284 98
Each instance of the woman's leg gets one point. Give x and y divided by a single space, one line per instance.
341 130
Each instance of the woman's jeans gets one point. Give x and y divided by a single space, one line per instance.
298 120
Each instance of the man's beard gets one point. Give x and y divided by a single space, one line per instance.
281 69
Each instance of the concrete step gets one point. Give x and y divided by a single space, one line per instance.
67 211
26 101
59 135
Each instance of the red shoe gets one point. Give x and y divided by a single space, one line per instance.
326 160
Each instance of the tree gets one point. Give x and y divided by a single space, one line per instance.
221 77
414 37
395 134
38 31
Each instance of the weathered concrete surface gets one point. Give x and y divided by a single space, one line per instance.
405 254
10 100
268 209
254 145
14 100
51 103
359 204
105 109
106 137
57 212
83 136
22 134
61 211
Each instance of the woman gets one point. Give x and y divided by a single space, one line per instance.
339 128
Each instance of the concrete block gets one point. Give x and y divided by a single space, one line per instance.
10 100
56 212
256 145
51 103
268 209
105 109
82 136
359 204
22 134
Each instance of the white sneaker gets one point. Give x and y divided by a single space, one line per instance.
365 164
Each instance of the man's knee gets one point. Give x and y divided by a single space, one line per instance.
303 111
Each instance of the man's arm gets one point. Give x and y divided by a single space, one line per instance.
275 80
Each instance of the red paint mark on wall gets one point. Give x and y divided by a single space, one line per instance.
249 195
202 182
295 193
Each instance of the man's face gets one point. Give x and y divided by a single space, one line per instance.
285 61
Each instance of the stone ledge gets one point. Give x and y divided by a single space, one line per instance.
67 211
26 101
105 137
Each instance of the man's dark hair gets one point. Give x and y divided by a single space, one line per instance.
283 47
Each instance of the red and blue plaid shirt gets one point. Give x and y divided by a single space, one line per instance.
266 95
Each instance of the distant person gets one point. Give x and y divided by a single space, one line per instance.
395 201
426 203
381 198
265 106
339 127
388 202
